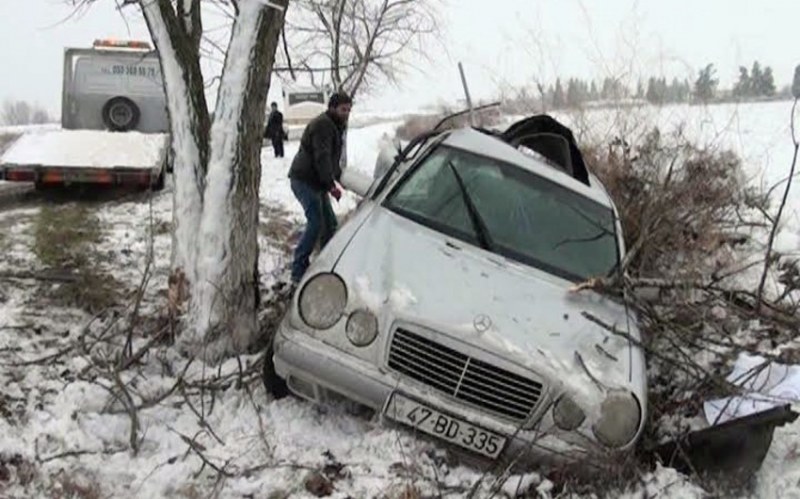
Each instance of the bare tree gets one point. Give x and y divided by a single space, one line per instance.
358 42
216 164
23 113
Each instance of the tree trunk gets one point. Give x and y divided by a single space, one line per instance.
217 168
223 301
189 128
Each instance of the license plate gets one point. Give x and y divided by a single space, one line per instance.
405 410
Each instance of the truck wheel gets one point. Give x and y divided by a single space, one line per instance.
159 184
275 385
121 114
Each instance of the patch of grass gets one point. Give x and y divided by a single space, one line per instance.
65 235
89 291
65 240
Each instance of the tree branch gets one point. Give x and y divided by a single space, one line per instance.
776 222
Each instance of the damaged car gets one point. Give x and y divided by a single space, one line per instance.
446 301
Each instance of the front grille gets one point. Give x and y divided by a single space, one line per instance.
465 378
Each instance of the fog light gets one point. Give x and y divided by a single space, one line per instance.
362 328
567 415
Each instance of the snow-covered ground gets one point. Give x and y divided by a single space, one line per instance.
62 433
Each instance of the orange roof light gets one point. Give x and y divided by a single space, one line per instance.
128 44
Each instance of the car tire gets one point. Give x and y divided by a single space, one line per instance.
274 384
120 114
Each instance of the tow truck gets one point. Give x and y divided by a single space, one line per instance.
113 123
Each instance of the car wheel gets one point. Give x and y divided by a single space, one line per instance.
275 385
120 114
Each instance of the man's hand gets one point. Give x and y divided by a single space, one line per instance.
336 193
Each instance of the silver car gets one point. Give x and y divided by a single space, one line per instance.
447 301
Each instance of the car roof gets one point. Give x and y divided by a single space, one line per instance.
483 144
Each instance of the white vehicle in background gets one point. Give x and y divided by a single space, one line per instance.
302 104
114 86
113 119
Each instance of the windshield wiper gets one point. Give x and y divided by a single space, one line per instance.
477 222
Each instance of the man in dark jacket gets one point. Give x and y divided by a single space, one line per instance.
274 130
314 173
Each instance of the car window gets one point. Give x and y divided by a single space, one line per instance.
528 218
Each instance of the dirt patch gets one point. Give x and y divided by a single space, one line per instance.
277 225
6 140
69 486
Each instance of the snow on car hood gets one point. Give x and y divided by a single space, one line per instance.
403 271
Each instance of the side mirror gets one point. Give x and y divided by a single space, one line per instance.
388 151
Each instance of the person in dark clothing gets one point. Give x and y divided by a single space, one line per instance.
314 174
274 130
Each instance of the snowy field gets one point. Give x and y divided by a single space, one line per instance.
202 431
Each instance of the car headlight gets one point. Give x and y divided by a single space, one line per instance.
619 419
362 328
567 415
322 301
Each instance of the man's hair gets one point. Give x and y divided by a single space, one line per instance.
339 98
274 104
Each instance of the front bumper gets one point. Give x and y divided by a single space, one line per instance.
319 372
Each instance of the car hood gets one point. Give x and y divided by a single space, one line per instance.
403 271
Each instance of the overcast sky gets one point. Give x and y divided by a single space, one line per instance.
500 42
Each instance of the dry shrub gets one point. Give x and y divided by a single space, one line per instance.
420 123
681 206
67 486
688 214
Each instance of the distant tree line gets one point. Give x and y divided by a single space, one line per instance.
23 113
756 82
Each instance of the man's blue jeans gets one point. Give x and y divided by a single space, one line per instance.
320 225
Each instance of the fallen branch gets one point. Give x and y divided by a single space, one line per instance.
39 276
77 453
131 406
198 450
